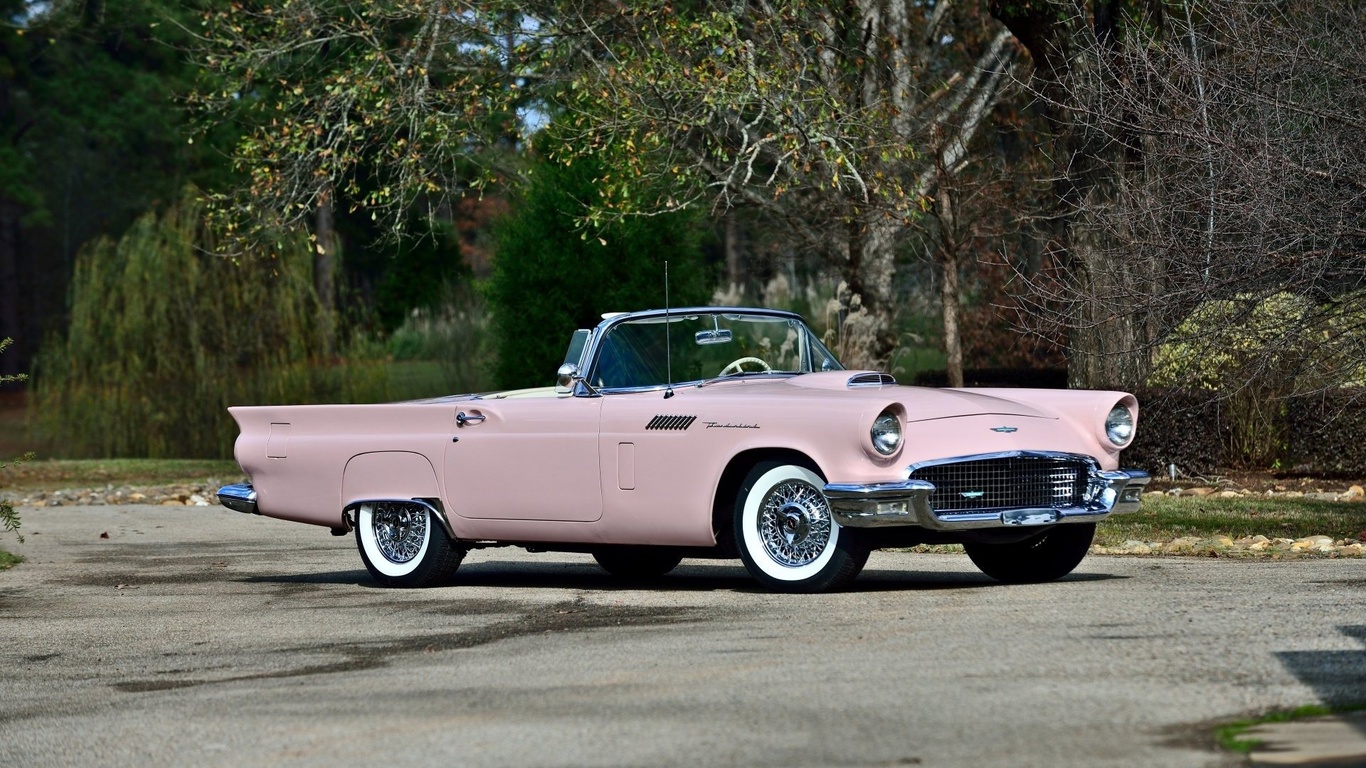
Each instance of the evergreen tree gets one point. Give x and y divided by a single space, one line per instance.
552 274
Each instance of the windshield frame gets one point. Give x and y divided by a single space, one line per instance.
813 350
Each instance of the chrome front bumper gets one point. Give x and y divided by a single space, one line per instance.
240 497
907 502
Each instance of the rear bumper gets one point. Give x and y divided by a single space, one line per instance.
907 502
240 497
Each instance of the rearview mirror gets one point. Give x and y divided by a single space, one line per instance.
718 336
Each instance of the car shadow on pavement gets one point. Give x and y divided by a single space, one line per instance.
889 580
1337 677
689 577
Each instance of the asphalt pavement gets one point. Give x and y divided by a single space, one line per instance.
150 636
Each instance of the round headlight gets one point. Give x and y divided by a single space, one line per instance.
886 433
1119 425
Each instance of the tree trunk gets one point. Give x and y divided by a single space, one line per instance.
735 270
325 255
869 266
950 294
12 362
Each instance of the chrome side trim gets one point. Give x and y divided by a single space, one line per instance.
240 497
874 505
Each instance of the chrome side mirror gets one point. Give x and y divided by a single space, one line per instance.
565 378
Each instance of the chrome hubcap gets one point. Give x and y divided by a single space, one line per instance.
794 523
399 531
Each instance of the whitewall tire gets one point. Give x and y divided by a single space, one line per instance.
786 535
403 544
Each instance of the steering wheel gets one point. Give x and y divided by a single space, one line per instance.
737 366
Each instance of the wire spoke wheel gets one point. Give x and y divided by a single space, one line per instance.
794 523
786 535
400 531
402 544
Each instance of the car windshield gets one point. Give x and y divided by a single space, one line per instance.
632 354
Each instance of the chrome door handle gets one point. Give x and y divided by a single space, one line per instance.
461 419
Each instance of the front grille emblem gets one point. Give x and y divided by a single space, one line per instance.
1005 430
973 494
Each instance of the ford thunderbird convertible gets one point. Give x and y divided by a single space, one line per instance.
703 432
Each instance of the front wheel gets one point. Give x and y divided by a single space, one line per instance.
403 544
1047 557
787 537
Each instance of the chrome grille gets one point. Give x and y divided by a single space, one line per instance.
1005 483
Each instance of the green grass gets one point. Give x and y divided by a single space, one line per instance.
51 474
8 560
1164 518
1230 736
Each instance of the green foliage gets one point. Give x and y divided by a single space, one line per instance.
92 92
8 560
384 106
713 100
552 275
9 519
407 272
164 337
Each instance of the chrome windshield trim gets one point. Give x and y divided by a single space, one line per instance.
594 347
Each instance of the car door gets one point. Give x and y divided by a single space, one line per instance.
525 458
659 469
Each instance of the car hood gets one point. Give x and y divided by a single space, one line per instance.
928 404
921 403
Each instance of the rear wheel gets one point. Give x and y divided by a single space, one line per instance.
787 537
1047 557
403 544
637 562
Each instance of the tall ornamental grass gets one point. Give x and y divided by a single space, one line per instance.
164 336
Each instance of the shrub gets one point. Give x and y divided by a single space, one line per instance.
1259 356
455 335
164 336
1181 427
1198 432
1323 432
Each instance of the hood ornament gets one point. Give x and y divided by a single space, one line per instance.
1005 430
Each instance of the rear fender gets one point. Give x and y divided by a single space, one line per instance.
392 476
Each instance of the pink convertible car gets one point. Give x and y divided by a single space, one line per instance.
705 432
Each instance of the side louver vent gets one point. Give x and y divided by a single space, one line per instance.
671 422
871 380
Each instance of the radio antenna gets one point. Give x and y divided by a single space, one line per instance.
668 341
